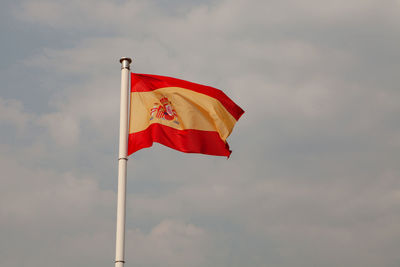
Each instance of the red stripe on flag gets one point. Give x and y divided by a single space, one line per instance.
188 141
149 82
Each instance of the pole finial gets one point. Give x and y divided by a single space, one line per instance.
125 62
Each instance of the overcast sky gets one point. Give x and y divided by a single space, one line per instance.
314 177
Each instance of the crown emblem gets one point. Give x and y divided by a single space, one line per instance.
164 101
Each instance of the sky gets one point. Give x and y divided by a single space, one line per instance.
314 177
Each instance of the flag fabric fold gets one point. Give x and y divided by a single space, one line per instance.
182 115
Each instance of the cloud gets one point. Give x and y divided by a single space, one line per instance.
47 209
63 129
102 16
176 244
313 176
11 112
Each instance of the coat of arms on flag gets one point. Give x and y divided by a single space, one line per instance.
163 110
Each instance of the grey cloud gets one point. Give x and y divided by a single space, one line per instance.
313 175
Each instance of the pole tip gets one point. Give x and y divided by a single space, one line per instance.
125 61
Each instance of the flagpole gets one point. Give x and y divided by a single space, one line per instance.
122 162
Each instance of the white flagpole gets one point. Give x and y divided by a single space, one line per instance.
122 162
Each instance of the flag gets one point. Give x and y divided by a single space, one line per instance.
182 115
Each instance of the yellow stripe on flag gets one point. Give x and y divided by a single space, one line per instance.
193 111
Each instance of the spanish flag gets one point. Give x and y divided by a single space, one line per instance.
182 115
